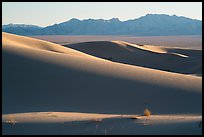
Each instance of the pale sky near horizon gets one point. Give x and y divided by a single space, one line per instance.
49 13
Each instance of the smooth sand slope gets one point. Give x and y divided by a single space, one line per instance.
37 78
60 123
179 60
62 117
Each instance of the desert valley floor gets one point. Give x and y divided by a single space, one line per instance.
101 85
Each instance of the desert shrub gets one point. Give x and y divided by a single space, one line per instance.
147 112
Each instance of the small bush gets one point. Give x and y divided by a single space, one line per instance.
147 112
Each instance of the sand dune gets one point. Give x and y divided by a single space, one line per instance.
37 78
59 123
53 117
62 117
179 60
52 89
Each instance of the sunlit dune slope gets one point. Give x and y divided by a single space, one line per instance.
60 117
11 41
179 60
63 123
42 76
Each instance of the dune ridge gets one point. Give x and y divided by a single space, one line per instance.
24 42
178 60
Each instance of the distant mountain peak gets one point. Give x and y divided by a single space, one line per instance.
154 15
74 19
147 25
20 25
114 19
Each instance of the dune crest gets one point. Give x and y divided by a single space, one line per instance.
178 60
15 41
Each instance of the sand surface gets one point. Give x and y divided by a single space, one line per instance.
60 123
40 76
61 117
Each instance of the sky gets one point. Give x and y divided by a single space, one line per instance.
49 13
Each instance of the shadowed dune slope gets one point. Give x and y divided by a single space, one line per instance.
179 60
42 76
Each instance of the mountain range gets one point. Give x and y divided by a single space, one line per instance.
148 25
